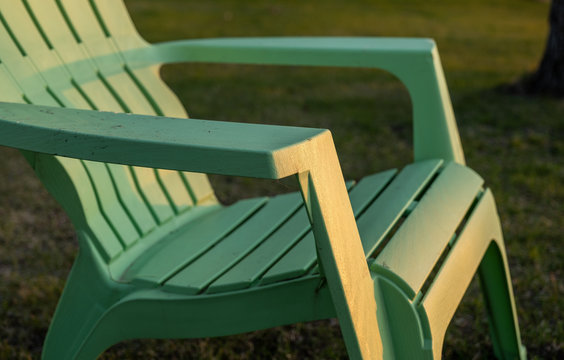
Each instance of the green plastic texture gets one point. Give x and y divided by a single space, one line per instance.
390 256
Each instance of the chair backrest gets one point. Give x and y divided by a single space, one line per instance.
68 53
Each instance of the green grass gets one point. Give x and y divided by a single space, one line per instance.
515 143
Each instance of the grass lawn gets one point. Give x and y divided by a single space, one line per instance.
515 143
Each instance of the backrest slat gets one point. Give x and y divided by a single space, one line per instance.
166 103
9 89
44 59
73 54
130 198
152 193
22 70
101 95
175 190
68 53
41 69
106 56
111 208
125 85
79 201
115 19
117 23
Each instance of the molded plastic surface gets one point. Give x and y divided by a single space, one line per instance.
390 256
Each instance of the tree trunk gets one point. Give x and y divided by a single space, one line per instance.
549 77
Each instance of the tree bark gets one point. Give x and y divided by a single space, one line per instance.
549 77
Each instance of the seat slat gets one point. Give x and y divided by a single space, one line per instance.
428 229
372 226
389 206
303 255
199 274
249 270
172 254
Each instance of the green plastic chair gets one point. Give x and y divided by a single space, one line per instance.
159 257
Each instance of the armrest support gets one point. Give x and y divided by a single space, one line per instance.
415 62
251 150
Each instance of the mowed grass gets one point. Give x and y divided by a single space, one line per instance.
515 143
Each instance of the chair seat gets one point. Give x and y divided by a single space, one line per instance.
263 241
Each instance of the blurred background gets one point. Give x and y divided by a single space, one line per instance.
515 142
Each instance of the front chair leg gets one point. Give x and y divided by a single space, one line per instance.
84 302
498 295
340 251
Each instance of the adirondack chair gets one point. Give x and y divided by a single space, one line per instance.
159 257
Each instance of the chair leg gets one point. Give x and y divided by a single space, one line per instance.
478 248
404 330
84 301
494 278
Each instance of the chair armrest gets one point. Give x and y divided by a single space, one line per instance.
415 62
224 148
251 150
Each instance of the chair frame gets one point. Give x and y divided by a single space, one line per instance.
381 314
